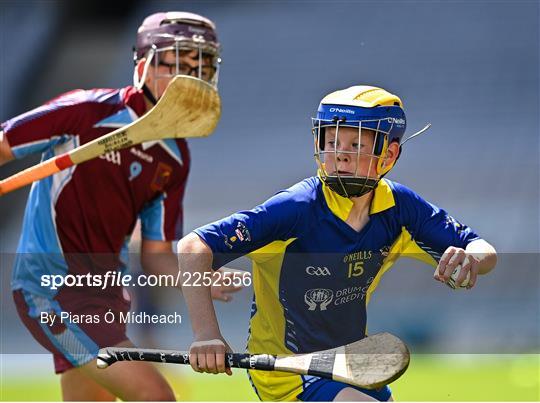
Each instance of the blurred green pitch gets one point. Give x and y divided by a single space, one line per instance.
429 378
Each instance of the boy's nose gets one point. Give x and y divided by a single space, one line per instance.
343 157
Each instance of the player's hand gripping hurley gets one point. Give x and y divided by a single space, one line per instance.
369 363
189 108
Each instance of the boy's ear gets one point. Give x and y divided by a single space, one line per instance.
392 153
387 161
140 66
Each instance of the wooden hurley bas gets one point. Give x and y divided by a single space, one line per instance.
369 363
189 107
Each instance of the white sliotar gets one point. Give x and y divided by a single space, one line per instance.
453 278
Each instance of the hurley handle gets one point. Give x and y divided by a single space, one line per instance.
110 355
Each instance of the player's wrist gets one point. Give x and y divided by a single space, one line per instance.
208 334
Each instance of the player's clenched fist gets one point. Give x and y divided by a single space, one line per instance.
209 356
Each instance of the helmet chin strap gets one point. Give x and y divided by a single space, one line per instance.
146 91
139 82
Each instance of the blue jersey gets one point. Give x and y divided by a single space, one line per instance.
313 274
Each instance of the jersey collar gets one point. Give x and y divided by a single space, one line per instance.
383 199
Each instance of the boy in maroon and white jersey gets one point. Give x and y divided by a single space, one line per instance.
79 221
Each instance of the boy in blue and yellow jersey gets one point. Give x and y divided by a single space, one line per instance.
320 248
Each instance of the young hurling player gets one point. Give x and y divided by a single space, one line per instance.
79 221
319 248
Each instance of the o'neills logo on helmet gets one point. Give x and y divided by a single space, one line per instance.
397 121
349 111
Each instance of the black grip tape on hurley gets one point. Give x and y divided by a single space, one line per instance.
258 361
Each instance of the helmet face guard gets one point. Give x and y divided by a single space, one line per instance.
387 123
206 67
185 36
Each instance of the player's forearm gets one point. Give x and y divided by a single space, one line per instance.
158 258
485 255
160 264
195 256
